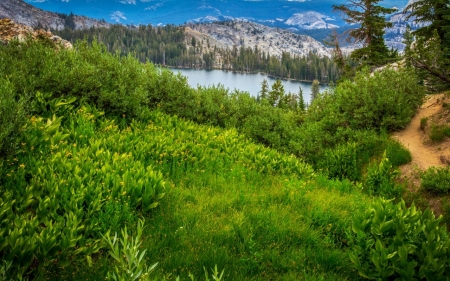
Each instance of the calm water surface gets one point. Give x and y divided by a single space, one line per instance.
250 83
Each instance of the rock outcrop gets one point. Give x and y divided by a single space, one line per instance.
24 13
9 30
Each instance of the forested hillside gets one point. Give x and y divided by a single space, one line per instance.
173 46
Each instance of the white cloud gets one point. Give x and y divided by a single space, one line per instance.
117 16
133 2
154 7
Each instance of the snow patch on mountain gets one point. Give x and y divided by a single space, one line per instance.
310 20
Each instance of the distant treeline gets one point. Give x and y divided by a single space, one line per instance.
169 46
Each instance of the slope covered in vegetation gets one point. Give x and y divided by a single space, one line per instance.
91 146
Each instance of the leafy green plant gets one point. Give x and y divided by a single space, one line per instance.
114 216
436 180
126 252
341 162
4 269
379 179
395 242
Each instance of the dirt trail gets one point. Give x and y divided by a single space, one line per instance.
412 137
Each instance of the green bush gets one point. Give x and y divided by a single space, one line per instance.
423 123
357 111
13 113
341 162
439 132
436 180
393 242
114 215
382 100
380 179
396 153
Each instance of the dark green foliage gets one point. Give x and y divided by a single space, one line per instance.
114 215
89 73
264 89
393 242
357 111
123 87
382 100
380 179
276 93
428 57
423 123
436 180
341 162
439 132
315 90
13 111
430 54
396 153
372 22
436 15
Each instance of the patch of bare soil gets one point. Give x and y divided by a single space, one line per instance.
426 153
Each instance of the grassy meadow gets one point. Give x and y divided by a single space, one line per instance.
112 169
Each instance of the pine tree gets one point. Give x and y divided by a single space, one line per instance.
301 100
264 89
372 22
276 93
315 87
436 16
428 48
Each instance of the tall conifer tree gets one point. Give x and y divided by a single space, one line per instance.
371 20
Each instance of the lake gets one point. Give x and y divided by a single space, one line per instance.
250 83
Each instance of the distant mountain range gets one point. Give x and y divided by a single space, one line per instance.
316 21
299 14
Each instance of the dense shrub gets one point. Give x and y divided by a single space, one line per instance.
357 111
342 162
439 132
13 111
436 180
382 100
393 242
122 86
380 179
396 153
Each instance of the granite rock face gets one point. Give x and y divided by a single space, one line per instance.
9 30
24 13
272 41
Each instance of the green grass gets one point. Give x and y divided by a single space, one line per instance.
250 210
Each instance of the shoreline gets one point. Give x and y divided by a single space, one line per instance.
241 72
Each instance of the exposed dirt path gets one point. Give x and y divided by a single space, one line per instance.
412 136
425 154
